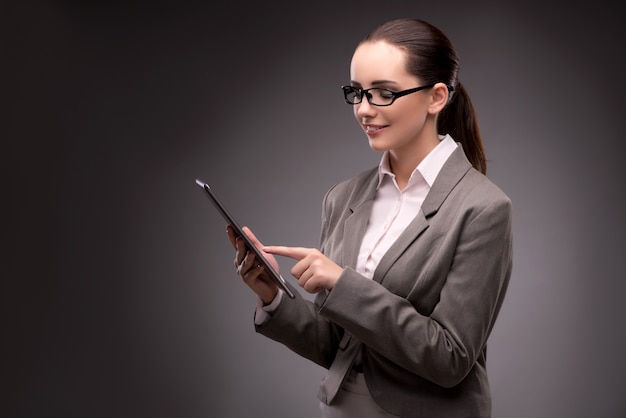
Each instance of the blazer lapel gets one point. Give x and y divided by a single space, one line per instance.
356 222
451 173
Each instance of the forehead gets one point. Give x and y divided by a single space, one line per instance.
378 61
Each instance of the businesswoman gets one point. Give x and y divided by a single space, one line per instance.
415 254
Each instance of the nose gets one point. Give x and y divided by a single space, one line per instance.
364 109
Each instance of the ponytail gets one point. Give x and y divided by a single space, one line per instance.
458 119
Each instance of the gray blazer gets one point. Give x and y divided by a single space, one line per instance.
422 323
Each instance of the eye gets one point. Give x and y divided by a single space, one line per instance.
385 94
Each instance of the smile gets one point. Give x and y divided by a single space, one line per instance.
373 129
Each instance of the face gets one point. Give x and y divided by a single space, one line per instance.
400 126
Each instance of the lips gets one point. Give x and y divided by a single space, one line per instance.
373 129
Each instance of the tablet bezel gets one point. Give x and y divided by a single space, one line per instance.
228 217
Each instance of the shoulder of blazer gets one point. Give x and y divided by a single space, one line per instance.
354 190
455 168
456 173
362 187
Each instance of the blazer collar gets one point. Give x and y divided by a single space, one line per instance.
451 173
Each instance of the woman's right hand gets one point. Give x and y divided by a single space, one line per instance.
252 272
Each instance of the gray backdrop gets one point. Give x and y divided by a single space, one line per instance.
118 291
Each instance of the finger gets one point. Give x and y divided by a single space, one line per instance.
301 270
232 236
254 240
252 270
310 287
303 276
248 263
242 250
252 237
297 253
308 283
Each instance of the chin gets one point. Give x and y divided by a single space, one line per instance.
377 146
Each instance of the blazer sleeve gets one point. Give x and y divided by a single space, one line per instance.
297 324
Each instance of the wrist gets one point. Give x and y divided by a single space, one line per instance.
269 298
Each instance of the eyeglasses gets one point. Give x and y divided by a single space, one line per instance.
377 96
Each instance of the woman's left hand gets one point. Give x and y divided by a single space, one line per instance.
313 269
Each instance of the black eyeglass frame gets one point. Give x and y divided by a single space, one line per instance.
394 94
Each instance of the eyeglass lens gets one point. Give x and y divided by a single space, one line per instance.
375 96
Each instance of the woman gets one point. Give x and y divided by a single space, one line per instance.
415 254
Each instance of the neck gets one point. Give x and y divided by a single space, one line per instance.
404 161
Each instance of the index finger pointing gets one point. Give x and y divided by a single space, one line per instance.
297 253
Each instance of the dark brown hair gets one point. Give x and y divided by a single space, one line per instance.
432 57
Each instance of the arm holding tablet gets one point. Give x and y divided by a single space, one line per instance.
258 267
249 243
249 268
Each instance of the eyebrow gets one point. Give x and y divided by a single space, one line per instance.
375 82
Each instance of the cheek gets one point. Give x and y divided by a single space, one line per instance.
411 116
409 124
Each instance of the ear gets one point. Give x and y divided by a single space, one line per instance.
438 98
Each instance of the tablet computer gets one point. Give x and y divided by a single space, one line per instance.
239 231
